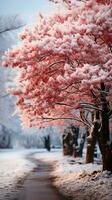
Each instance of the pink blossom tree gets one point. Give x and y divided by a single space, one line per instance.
65 63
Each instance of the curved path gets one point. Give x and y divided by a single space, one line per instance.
38 184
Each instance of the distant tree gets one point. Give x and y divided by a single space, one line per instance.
5 137
67 141
73 144
47 142
78 141
9 28
10 23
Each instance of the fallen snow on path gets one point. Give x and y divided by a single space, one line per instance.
78 180
71 176
13 168
83 181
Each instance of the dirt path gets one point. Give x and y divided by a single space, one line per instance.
38 184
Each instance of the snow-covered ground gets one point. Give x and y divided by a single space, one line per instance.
13 168
71 176
78 180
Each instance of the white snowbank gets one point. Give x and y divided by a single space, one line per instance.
13 168
78 180
71 176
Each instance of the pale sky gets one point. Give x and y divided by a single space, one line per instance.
26 8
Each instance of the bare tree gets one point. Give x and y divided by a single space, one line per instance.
9 23
9 27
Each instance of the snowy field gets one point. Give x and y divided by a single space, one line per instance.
78 180
71 176
13 168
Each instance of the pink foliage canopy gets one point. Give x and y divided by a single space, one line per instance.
63 59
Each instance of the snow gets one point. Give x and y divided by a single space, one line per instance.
13 168
78 180
72 176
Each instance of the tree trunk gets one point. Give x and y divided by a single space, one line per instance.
91 142
78 151
81 147
67 140
105 145
107 159
47 142
90 150
92 138
75 131
104 134
106 152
